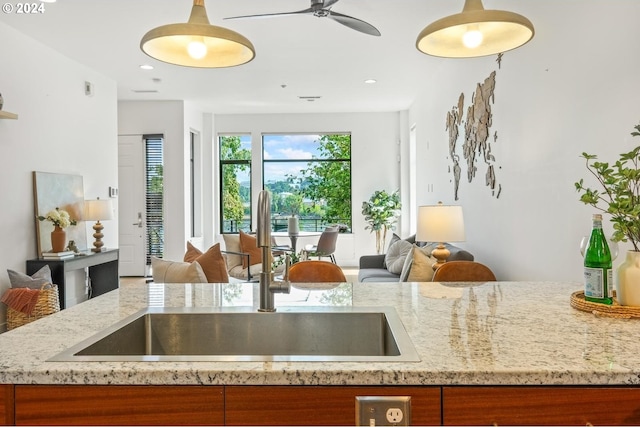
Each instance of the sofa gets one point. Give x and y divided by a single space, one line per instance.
403 256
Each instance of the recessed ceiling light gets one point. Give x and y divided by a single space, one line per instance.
371 81
146 67
47 1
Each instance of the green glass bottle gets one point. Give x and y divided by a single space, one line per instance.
598 276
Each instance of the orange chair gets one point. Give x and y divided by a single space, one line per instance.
315 271
463 271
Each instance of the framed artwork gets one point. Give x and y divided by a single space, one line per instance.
54 190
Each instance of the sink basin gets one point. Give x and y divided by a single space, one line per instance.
201 334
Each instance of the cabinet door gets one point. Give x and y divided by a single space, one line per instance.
541 406
330 405
118 405
6 404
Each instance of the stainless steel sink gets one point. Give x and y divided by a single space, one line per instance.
202 334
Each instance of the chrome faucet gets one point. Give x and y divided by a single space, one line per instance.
269 286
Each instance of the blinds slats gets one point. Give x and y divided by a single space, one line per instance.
154 195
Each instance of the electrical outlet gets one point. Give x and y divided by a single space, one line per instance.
395 415
383 410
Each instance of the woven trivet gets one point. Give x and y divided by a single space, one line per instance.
615 310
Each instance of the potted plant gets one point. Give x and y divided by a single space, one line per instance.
381 213
619 196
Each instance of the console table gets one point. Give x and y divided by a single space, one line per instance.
103 271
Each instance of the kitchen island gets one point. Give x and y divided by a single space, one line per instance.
500 352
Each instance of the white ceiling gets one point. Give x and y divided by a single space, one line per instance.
311 56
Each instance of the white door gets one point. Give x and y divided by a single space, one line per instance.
132 205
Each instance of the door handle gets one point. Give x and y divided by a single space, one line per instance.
139 223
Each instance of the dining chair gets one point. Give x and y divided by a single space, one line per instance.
463 271
326 245
316 271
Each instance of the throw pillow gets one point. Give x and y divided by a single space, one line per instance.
177 272
395 257
421 267
192 253
394 238
408 262
213 265
232 244
35 281
249 245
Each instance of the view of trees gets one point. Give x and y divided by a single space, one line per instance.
319 192
328 183
236 161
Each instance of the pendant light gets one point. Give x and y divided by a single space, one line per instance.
197 43
475 32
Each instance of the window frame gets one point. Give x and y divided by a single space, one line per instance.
319 226
222 163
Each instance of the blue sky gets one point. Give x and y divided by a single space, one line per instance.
285 147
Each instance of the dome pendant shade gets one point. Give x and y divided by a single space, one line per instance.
221 47
500 31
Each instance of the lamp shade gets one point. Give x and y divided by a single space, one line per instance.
475 32
197 43
98 210
440 223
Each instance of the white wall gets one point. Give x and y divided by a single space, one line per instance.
572 89
375 154
59 130
175 120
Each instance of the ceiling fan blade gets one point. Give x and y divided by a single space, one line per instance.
270 15
354 23
329 3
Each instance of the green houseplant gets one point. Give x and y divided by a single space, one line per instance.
619 196
381 213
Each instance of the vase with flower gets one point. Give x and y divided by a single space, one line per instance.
60 220
619 197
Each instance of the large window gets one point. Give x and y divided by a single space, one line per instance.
308 176
235 178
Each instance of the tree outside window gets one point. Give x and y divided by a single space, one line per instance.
308 176
235 176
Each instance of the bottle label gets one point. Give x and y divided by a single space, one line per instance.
597 282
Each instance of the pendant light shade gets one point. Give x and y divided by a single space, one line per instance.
197 43
475 32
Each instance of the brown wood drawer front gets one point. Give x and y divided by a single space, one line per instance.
6 405
320 405
541 406
118 405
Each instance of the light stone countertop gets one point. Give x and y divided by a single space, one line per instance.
516 333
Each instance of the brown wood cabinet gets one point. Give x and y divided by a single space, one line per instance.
314 405
530 405
320 405
6 404
118 405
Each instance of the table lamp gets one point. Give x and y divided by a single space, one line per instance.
440 223
97 210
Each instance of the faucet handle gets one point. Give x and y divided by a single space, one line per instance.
287 265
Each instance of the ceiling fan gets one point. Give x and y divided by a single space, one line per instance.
322 9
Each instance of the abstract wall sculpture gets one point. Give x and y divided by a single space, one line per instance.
477 141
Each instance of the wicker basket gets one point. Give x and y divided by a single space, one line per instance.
615 310
48 303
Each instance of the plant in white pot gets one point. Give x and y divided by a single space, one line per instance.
619 196
381 213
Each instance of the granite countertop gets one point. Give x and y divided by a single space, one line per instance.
516 333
